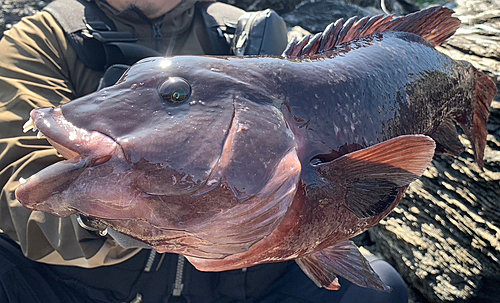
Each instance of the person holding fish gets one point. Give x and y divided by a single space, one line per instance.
60 243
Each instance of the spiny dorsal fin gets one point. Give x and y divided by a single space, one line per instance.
434 24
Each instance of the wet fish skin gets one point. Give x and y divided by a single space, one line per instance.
188 187
270 158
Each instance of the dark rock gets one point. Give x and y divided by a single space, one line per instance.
285 6
314 16
280 6
444 237
409 6
13 10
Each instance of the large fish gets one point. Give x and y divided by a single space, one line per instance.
234 162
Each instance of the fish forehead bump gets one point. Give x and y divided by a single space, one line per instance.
178 63
209 70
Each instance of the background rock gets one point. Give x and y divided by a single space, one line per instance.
13 10
285 6
314 16
444 236
280 6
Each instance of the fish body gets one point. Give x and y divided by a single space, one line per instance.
235 162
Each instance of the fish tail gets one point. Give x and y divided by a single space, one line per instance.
476 130
472 119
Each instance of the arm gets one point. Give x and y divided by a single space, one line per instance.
38 68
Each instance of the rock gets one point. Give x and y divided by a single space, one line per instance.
398 7
284 6
13 10
314 16
478 39
444 237
280 6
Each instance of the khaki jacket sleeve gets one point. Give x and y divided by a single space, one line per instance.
38 68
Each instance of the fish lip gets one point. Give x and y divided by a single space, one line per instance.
81 148
73 142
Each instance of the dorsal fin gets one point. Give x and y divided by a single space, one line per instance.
434 24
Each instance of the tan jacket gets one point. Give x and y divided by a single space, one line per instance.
39 68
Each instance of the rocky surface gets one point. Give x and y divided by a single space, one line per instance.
315 16
444 237
13 10
285 6
280 6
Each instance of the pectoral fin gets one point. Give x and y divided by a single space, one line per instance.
343 259
373 178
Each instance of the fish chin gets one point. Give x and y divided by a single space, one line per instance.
81 149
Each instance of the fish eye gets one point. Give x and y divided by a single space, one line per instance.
174 90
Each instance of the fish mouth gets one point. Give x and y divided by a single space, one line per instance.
70 141
81 149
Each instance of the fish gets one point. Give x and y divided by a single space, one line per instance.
239 161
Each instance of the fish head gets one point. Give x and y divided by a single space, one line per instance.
182 153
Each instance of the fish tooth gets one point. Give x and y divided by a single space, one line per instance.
28 125
40 135
22 180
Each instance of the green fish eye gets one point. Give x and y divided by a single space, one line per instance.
179 96
174 90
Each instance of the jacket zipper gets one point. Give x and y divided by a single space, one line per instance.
178 285
155 26
157 35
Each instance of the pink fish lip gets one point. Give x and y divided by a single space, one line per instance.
71 141
81 148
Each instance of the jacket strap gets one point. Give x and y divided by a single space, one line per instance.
93 35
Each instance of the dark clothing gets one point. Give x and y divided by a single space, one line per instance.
23 280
